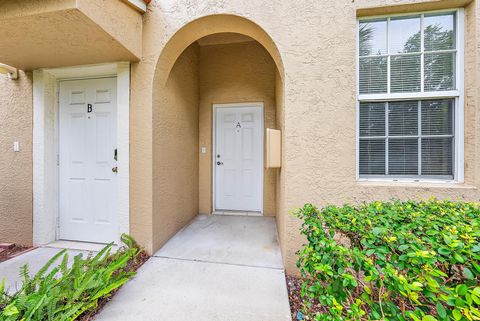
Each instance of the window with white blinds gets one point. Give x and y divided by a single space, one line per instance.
407 138
407 54
408 96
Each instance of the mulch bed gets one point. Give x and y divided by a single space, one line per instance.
141 258
294 285
11 251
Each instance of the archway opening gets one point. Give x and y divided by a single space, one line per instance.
217 66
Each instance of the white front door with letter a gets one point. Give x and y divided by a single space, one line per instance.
238 158
87 159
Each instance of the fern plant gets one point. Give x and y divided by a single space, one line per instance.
64 292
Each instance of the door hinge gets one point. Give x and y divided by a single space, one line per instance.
58 159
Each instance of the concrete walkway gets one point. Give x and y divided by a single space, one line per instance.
225 268
35 259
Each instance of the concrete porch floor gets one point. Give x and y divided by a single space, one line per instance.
226 268
240 240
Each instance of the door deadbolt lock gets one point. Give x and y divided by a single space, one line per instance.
219 163
115 169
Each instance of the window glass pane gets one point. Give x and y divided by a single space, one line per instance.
373 75
437 117
439 32
373 38
437 156
404 35
372 157
403 156
372 119
439 71
405 73
403 118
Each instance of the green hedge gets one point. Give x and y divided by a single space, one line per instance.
61 293
398 260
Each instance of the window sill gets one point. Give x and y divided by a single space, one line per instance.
415 184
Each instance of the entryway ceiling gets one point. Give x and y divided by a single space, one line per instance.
223 38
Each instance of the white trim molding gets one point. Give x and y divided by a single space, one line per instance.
45 144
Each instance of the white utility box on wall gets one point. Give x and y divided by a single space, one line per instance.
274 148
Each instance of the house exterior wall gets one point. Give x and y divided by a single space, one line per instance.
316 41
234 73
175 152
16 167
313 44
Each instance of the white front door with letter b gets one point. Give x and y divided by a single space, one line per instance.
87 159
238 158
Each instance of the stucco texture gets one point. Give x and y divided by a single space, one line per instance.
75 32
16 167
175 162
308 85
313 44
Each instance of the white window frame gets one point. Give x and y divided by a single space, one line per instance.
457 95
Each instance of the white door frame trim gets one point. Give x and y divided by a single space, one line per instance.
45 144
214 151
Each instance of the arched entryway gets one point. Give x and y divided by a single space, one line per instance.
216 66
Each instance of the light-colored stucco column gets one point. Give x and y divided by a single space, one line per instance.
141 165
123 140
44 175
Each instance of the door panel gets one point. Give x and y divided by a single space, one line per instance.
239 158
87 141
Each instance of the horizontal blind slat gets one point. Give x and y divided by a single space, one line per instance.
372 157
437 156
405 73
403 156
403 118
373 75
439 71
372 119
437 117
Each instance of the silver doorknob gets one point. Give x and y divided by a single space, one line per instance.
219 163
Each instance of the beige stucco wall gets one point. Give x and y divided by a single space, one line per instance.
234 73
16 167
313 44
280 173
316 42
175 152
75 32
